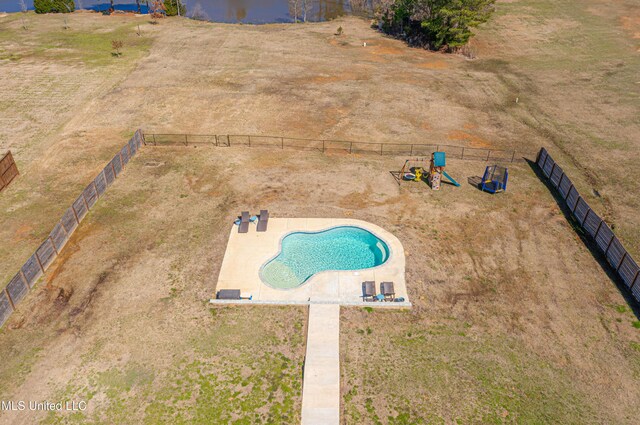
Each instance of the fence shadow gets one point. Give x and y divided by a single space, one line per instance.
589 242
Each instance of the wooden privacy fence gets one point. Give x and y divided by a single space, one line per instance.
606 241
37 264
325 145
8 170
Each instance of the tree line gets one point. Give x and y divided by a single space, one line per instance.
166 7
435 24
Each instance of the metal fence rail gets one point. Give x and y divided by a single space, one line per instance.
43 257
606 241
326 145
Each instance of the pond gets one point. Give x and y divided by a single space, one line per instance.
233 11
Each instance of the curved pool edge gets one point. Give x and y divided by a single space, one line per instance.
247 253
313 276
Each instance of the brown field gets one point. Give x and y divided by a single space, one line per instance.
514 320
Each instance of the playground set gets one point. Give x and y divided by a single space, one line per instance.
416 170
432 171
495 179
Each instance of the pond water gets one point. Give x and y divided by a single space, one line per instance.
231 11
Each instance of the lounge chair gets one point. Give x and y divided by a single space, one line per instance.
228 294
368 290
263 221
244 222
386 289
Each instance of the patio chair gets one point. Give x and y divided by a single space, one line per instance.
368 290
244 222
386 289
263 220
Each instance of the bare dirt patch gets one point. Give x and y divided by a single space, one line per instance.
472 140
514 318
632 25
438 64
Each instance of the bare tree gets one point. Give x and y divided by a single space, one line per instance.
157 10
116 45
294 6
358 5
66 21
198 13
23 8
306 8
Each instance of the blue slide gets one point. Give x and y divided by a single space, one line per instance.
455 183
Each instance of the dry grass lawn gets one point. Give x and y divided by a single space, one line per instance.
514 319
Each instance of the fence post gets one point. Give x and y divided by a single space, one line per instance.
53 245
323 146
635 279
551 172
22 276
350 147
488 155
585 217
38 261
249 141
575 207
114 177
545 162
609 246
228 141
282 141
560 181
598 231
512 156
462 153
85 201
381 145
621 261
411 154
75 214
186 141
154 140
569 192
6 293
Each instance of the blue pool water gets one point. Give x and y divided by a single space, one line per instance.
304 254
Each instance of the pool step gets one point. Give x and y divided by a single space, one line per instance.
321 383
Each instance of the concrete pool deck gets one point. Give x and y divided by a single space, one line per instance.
247 252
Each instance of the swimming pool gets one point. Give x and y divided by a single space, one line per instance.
303 254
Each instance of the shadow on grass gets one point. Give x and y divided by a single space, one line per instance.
588 241
475 181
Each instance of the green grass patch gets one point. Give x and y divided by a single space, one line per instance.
244 367
88 45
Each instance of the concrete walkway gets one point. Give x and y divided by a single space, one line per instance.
321 384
